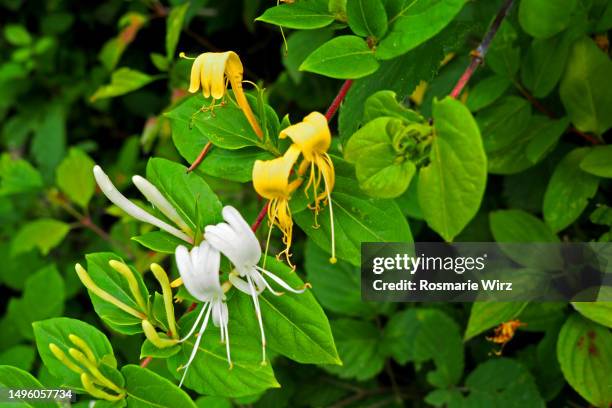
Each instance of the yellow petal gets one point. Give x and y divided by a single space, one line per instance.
271 177
196 69
311 135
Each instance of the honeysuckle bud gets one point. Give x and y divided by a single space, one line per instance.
212 71
127 273
155 197
162 278
111 192
235 239
271 180
199 270
83 361
104 295
313 138
154 337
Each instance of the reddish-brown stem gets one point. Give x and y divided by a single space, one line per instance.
260 217
145 361
200 157
333 108
479 54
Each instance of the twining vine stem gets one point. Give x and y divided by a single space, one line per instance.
479 53
333 108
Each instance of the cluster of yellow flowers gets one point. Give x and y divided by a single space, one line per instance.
276 179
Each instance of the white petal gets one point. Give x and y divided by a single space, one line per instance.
239 284
155 197
201 279
111 192
220 314
280 282
243 229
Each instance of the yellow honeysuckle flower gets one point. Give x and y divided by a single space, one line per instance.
212 71
313 137
271 181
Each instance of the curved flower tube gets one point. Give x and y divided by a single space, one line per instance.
199 270
153 195
210 70
235 239
271 181
313 138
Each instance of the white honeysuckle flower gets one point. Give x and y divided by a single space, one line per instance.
199 269
153 195
236 240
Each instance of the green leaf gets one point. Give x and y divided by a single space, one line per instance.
225 126
367 18
500 383
188 193
148 389
295 324
359 346
344 57
18 176
357 218
56 331
337 287
599 311
49 143
384 103
159 61
400 75
174 25
43 297
584 87
209 372
544 63
19 356
338 9
568 191
383 170
439 339
486 92
148 349
400 335
159 241
43 233
504 58
519 226
416 22
74 176
546 133
513 158
542 18
18 379
598 161
502 123
112 282
299 45
123 80
420 335
584 351
301 15
17 35
451 187
485 315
